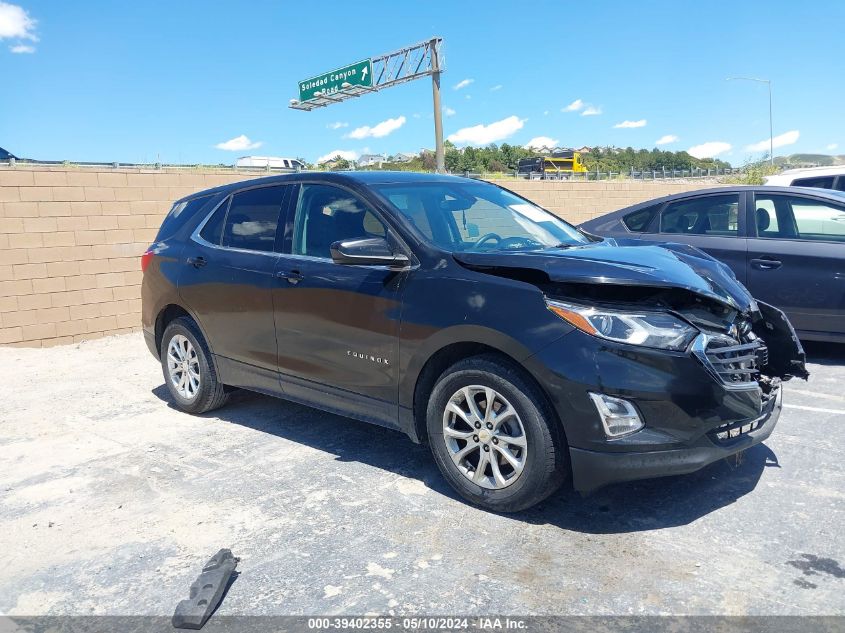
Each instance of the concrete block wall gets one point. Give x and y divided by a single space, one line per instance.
70 246
71 239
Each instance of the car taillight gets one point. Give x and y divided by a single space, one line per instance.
145 260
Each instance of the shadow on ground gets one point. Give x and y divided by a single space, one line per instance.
825 353
621 508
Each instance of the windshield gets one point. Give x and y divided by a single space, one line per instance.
478 216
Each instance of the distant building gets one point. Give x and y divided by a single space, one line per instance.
584 150
370 160
402 158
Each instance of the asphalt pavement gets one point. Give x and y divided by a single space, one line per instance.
112 500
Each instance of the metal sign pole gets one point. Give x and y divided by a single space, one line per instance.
439 151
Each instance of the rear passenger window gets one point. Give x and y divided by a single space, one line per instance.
711 215
639 220
252 219
823 182
213 229
840 183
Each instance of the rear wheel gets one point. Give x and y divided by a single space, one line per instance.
493 436
188 371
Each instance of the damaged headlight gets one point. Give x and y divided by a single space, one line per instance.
649 329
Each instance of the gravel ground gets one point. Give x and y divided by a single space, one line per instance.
112 500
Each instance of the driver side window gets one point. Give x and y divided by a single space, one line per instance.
327 214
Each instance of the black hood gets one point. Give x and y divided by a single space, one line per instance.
627 263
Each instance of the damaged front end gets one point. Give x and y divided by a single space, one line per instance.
741 341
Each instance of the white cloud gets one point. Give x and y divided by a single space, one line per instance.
832 146
709 149
591 111
486 134
496 87
545 113
15 23
337 125
666 139
631 124
463 83
348 154
574 106
379 129
239 143
539 142
787 138
449 111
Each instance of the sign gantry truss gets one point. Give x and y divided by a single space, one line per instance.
406 64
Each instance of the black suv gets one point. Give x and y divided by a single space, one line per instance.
520 349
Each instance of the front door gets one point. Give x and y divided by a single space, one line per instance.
796 262
337 325
228 279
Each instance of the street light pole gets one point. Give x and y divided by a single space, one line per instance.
768 82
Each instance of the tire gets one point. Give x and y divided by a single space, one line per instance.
544 464
209 393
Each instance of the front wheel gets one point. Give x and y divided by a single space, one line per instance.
493 435
188 371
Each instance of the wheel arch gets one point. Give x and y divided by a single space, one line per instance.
449 354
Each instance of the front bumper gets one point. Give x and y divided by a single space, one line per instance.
594 469
681 403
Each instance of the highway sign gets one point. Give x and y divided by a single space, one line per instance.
357 74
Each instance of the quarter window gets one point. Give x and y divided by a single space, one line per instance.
179 215
711 215
213 229
326 214
638 221
252 219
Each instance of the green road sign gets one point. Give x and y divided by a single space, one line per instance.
357 74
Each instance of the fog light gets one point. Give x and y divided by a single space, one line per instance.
722 435
618 416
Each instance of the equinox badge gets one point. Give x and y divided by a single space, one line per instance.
369 357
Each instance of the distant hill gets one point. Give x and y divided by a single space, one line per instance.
822 160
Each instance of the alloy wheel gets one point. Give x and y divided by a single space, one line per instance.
183 366
485 437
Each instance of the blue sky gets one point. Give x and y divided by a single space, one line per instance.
148 80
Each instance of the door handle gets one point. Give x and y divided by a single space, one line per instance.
766 263
292 276
197 262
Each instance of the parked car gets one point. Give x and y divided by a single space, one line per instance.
821 177
785 244
520 349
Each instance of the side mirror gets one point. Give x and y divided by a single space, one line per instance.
370 251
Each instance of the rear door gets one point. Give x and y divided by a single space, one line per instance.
796 260
712 222
227 280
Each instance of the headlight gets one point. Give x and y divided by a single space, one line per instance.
649 329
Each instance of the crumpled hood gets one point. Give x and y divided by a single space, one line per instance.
627 262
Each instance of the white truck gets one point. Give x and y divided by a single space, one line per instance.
270 161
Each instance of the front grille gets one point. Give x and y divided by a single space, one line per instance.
730 431
736 363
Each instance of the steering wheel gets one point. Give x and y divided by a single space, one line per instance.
485 238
